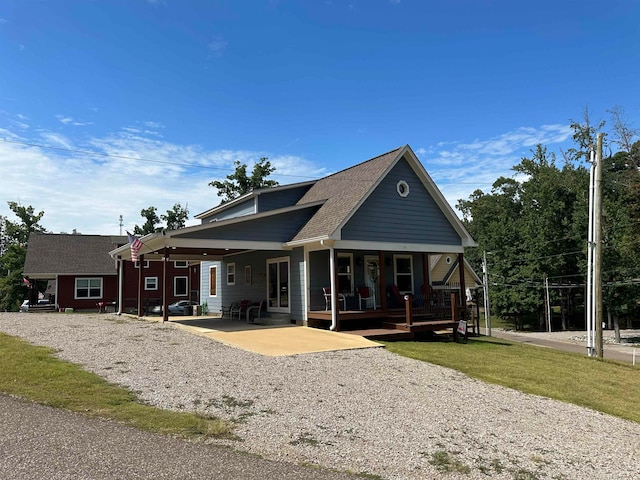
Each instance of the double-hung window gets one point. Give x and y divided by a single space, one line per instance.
88 288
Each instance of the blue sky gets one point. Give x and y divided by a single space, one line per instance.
168 94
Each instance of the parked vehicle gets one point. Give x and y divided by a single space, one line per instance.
176 308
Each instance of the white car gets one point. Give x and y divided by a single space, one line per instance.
176 308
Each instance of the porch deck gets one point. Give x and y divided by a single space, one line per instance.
383 325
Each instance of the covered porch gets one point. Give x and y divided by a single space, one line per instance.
385 294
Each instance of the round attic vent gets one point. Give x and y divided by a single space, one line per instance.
403 188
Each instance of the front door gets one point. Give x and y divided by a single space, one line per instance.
278 284
372 278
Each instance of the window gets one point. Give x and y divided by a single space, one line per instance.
247 275
231 273
403 272
180 286
88 288
345 272
180 264
137 264
150 283
213 281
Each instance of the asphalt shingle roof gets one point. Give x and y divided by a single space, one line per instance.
343 191
51 253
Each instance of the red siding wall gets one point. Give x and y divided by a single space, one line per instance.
67 288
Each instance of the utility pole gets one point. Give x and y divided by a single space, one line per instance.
597 257
485 289
589 294
121 225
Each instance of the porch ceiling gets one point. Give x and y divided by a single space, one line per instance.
191 253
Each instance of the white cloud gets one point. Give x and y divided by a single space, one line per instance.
460 168
88 193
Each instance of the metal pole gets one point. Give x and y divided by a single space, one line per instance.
487 313
546 284
590 244
597 264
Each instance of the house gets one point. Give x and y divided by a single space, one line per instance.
76 271
370 227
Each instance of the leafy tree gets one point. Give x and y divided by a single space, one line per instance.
176 217
238 183
14 237
151 222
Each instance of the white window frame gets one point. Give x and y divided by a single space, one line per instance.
186 286
231 273
88 288
403 274
348 273
151 283
213 268
180 264
137 264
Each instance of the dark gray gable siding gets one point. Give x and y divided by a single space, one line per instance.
297 284
275 228
387 217
280 198
243 208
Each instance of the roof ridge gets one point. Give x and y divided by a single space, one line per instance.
362 163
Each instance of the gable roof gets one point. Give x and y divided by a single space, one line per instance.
51 254
342 193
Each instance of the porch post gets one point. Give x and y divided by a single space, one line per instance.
425 276
120 283
165 303
335 319
382 285
140 283
463 287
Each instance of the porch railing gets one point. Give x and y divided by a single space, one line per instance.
425 308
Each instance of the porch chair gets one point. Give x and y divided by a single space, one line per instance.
227 310
254 311
239 309
364 295
327 299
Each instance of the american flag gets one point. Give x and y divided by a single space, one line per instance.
136 245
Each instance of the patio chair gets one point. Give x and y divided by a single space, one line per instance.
365 294
254 311
227 310
327 299
239 309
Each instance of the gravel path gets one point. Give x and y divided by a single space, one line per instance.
357 410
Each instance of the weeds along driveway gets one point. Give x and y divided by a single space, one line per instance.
359 410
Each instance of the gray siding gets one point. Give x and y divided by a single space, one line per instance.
214 304
297 284
276 228
280 198
387 217
243 208
257 289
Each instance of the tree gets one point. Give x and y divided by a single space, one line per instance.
176 217
151 221
14 237
238 183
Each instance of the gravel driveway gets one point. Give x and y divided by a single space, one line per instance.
357 410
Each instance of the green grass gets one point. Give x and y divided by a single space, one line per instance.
606 386
34 373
